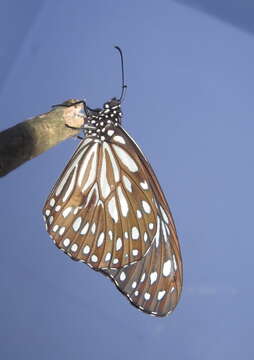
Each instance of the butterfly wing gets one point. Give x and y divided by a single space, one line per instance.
102 209
154 283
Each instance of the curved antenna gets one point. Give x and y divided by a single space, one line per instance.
123 84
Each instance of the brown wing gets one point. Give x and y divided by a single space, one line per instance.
102 210
154 283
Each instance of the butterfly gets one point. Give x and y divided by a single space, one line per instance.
108 210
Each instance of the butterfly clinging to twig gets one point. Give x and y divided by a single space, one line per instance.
107 210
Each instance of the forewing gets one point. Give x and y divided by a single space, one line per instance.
102 210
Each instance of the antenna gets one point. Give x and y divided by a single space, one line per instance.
124 87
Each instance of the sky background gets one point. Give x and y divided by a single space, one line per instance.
189 105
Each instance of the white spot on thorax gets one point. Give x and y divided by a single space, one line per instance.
110 132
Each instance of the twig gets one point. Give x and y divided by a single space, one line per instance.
32 137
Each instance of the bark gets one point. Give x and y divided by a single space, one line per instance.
32 137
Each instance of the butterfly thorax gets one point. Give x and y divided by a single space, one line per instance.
101 123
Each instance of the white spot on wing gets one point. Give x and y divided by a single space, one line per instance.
122 276
167 268
108 256
146 207
52 202
61 230
94 258
134 233
164 215
74 247
93 228
134 252
71 185
153 277
144 185
174 261
86 250
147 296
113 162
113 209
55 228
77 223
67 211
66 242
100 239
85 229
119 139
104 185
90 157
123 201
134 284
47 212
118 244
125 158
161 294
127 183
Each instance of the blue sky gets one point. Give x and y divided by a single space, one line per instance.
190 106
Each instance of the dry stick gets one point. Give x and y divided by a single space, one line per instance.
32 137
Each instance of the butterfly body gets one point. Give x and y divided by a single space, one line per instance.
107 210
